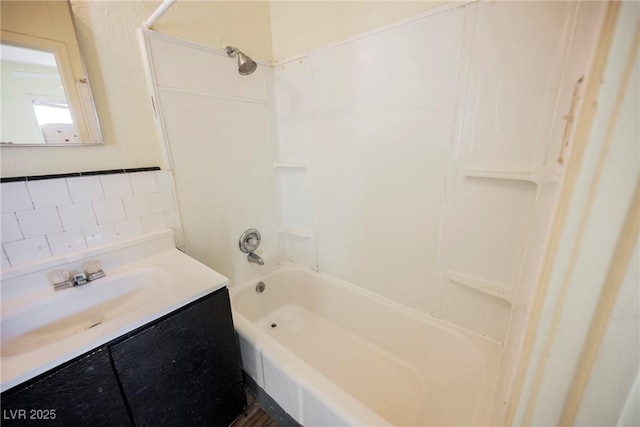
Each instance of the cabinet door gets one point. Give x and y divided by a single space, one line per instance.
82 393
185 369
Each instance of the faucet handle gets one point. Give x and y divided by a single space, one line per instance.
61 279
93 269
92 266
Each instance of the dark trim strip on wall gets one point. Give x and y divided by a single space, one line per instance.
77 174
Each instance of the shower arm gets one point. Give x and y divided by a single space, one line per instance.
161 10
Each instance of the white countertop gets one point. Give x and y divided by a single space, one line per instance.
180 281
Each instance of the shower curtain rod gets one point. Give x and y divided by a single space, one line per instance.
161 10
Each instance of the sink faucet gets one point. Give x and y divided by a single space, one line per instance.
61 278
255 259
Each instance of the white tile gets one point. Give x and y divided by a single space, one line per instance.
10 229
39 222
109 210
128 228
165 181
154 222
173 219
27 250
49 192
161 202
77 216
99 234
137 206
144 182
5 260
15 197
178 237
67 241
85 189
116 185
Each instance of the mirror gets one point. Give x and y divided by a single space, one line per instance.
45 94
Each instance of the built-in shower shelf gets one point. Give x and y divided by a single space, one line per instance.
533 177
293 231
480 285
289 165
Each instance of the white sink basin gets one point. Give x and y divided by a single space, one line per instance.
75 310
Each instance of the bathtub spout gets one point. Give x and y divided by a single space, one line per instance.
255 259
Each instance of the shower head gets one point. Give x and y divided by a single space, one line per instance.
246 65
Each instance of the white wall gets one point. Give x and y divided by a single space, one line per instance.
612 381
216 125
319 23
588 258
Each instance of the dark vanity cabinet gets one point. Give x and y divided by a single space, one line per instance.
83 392
182 369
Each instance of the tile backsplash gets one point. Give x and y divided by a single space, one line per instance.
43 218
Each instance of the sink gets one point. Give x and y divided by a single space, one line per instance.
147 278
72 311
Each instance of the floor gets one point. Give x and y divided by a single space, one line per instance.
254 416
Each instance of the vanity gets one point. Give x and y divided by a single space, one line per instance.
152 343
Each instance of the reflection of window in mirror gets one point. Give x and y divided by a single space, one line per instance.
45 96
34 105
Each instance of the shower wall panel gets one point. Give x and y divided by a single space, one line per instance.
216 125
374 119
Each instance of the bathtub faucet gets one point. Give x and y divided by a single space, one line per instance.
249 242
255 259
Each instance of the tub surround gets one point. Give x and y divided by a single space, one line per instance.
426 178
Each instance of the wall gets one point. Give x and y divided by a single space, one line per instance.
106 32
611 384
215 123
319 23
245 24
45 218
587 312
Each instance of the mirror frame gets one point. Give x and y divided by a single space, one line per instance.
78 92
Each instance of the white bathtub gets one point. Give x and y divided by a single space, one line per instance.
332 354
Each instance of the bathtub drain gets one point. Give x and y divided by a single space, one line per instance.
274 325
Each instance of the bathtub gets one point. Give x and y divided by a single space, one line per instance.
333 354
